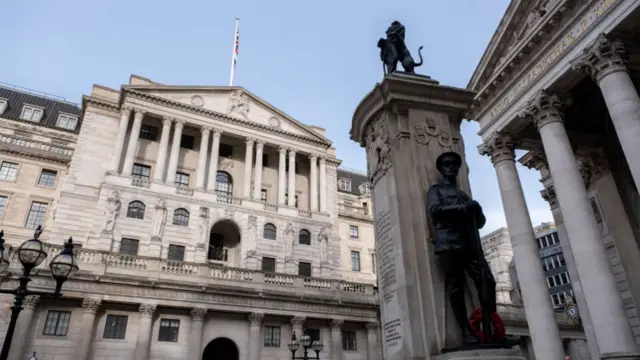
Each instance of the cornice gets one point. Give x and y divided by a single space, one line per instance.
39 130
31 155
219 116
99 103
355 218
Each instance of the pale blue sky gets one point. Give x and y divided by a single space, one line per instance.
313 60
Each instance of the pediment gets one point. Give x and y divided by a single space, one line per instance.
235 102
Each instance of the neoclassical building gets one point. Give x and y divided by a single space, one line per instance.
560 80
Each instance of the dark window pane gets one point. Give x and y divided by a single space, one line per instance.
225 150
272 336
355 260
181 217
37 214
169 329
176 253
182 180
136 210
349 340
269 231
129 246
57 323
48 178
314 334
304 238
304 269
141 172
268 264
148 132
216 248
115 327
187 141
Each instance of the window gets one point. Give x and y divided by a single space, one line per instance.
216 248
3 204
48 178
272 336
353 232
129 246
314 334
176 253
3 106
169 329
225 150
263 195
373 263
141 172
224 187
115 327
57 323
31 113
355 260
136 210
187 141
305 237
181 217
8 171
304 269
344 184
149 132
364 189
269 231
37 213
349 340
67 122
182 180
365 207
268 264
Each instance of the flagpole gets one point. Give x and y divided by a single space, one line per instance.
234 53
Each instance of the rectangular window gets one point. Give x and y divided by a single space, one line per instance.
353 232
149 132
141 172
272 336
30 113
37 214
115 327
349 340
187 141
176 253
3 106
373 263
169 329
182 180
555 300
304 269
565 278
344 184
268 264
3 204
263 195
48 178
57 323
314 334
129 246
550 282
225 150
355 260
67 122
8 171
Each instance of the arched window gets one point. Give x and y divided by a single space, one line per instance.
224 187
181 217
269 231
136 210
304 238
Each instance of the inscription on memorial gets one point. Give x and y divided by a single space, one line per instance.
392 334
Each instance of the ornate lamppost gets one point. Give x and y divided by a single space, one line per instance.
31 254
306 343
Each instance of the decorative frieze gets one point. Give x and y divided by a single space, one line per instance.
602 57
543 108
499 147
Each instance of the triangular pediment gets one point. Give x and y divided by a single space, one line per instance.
234 102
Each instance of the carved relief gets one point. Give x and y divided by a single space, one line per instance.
229 214
147 310
378 148
549 195
432 127
289 238
444 138
255 319
323 240
499 147
112 212
543 108
252 235
225 164
274 121
159 220
91 305
239 104
420 134
198 314
592 164
204 226
197 101
600 58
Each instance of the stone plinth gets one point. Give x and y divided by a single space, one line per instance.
405 123
497 354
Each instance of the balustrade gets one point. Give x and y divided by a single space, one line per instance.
351 210
23 143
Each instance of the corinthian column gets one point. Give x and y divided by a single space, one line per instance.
248 159
257 174
605 61
162 150
372 341
255 321
202 158
541 317
132 147
195 336
610 322
297 324
213 160
313 183
291 201
336 339
282 173
175 152
144 331
83 345
119 145
23 327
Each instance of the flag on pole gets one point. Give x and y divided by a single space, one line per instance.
234 58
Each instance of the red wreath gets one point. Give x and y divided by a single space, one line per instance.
498 325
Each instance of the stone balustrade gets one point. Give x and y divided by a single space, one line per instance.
353 211
25 145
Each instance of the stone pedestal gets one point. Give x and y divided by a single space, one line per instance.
497 354
405 123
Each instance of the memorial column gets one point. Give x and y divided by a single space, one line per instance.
132 147
175 152
255 322
291 191
213 160
195 336
541 317
257 173
23 327
121 135
83 345
610 322
336 339
202 157
248 160
372 340
144 331
282 174
162 150
313 187
605 61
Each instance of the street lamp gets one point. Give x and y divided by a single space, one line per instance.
31 254
306 343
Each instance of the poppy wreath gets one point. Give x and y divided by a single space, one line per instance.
475 321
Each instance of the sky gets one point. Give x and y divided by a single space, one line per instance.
314 60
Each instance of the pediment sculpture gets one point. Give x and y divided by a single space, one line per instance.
239 104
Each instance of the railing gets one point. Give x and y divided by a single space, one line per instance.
304 213
140 182
45 149
226 198
271 207
183 190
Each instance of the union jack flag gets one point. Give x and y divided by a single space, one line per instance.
235 50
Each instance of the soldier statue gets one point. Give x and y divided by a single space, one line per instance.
457 218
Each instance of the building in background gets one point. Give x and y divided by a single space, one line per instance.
499 254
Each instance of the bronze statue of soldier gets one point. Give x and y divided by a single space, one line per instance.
457 218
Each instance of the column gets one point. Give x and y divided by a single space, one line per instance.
313 183
372 340
541 317
605 61
291 201
195 336
202 157
282 173
162 150
255 321
598 281
119 145
336 339
247 168
144 331
23 327
213 160
83 345
133 143
297 324
175 152
323 184
257 174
